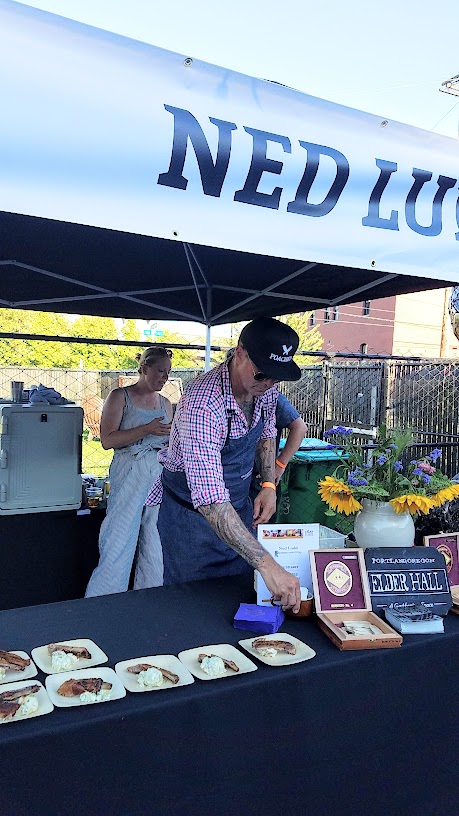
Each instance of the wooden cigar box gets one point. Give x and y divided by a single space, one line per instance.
342 594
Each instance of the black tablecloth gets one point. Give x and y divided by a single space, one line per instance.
367 733
47 557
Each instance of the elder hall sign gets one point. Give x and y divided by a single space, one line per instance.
400 576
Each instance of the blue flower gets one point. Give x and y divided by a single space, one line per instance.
382 460
435 454
418 472
393 446
426 478
338 430
413 462
398 466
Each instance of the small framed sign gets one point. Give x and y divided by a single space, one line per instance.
399 576
448 544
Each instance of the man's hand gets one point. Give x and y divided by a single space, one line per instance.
283 586
264 506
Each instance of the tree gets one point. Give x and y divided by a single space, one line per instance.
91 355
310 336
40 353
181 358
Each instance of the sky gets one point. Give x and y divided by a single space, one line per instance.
386 58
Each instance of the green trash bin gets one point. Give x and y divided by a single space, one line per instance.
299 501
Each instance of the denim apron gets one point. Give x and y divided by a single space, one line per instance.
191 549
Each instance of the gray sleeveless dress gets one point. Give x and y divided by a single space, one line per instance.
129 525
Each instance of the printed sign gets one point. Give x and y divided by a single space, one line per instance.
407 575
289 545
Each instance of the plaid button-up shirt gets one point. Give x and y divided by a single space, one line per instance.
199 433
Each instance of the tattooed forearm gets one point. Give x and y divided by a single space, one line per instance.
227 524
266 455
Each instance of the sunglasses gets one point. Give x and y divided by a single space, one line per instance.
259 376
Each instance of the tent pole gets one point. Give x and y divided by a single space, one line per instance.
207 358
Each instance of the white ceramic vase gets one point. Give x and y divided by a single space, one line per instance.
378 525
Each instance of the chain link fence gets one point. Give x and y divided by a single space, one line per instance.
345 389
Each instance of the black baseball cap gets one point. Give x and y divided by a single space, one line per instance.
271 345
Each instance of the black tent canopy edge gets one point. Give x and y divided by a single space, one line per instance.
56 266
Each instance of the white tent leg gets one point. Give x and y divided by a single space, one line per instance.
207 358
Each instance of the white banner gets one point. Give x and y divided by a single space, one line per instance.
102 130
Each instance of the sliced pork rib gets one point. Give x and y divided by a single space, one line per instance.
15 694
73 688
168 675
13 662
229 664
78 651
278 645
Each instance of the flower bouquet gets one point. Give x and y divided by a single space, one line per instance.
380 475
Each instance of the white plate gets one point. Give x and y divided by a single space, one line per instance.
303 652
45 705
169 662
189 658
29 671
53 681
43 658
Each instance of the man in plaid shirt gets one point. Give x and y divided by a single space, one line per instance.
225 418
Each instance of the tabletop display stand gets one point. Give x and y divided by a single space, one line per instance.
341 593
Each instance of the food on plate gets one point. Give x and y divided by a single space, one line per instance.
12 695
18 701
63 661
72 688
78 651
215 666
269 648
147 674
12 661
88 689
8 710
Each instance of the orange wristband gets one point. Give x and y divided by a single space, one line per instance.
268 484
281 464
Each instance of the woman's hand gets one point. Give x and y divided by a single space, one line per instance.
158 428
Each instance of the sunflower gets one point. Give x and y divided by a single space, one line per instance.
446 494
412 503
338 496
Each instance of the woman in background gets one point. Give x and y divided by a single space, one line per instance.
136 422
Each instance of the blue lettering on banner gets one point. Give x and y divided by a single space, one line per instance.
301 205
373 219
187 130
420 178
212 173
261 164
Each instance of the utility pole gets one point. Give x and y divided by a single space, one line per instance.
451 86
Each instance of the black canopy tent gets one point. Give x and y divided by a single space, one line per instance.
56 266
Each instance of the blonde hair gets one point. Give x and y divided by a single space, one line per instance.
151 354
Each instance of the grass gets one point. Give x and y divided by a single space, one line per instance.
96 460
